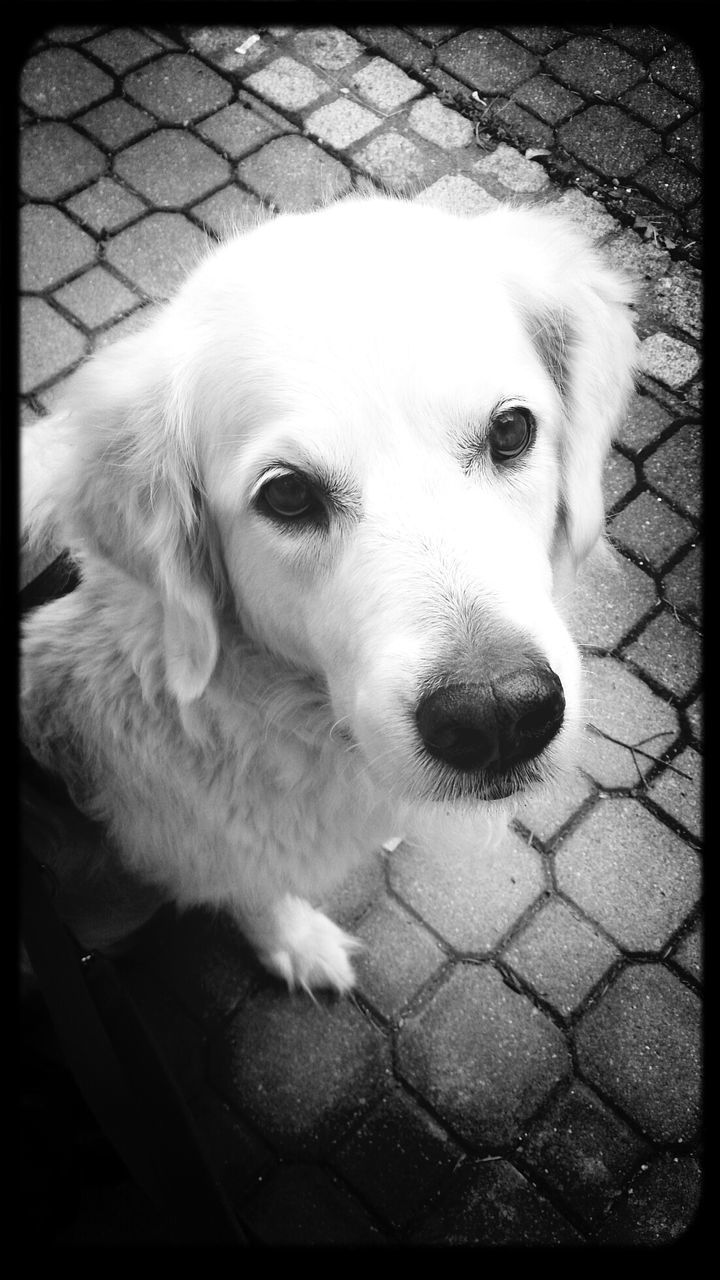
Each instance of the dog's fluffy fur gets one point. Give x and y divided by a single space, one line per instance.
234 691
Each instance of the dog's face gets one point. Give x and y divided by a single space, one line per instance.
380 429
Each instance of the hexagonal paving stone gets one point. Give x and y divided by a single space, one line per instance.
123 48
483 1056
157 253
96 297
116 123
48 344
611 596
560 956
491 1203
55 160
675 469
178 88
641 1046
230 210
584 1151
287 84
678 790
487 60
629 872
395 1137
172 168
298 1068
397 958
392 158
468 893
294 174
683 585
51 247
105 206
543 814
61 82
238 129
670 652
634 726
651 529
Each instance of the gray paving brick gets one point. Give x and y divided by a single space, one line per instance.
471 895
641 1046
671 182
327 47
624 711
157 252
687 142
296 1072
539 39
178 88
678 791
655 105
341 123
643 260
593 67
105 206
439 124
670 652
458 194
228 48
300 1205
609 141
487 60
492 1204
397 958
294 174
510 168
646 420
116 123
395 1137
172 168
610 598
560 956
96 297
630 873
586 213
678 71
619 479
678 298
397 161
583 1151
543 815
650 529
551 101
287 84
525 128
229 210
48 344
675 468
237 129
51 247
683 586
55 160
123 48
482 1055
61 82
385 86
669 361
689 952
661 1205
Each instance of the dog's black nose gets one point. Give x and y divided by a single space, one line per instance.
493 725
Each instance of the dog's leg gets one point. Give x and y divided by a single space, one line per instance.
298 943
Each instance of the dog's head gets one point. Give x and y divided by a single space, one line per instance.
372 437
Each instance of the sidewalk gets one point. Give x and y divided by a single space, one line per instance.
521 1063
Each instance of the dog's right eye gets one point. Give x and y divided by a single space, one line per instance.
289 497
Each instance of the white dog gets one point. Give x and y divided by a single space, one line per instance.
322 507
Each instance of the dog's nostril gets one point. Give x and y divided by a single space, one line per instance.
492 725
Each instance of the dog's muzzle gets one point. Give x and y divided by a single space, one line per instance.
494 726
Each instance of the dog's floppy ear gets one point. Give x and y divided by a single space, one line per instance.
577 311
130 492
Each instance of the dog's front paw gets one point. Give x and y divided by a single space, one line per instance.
308 950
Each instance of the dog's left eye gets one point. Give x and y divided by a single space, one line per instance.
511 433
290 497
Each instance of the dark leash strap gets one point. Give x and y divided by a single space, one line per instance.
106 1045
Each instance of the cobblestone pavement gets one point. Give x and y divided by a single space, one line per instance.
521 1063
